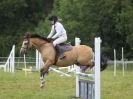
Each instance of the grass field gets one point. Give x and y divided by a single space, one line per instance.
19 86
118 87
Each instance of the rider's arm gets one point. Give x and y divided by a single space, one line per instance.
52 32
58 31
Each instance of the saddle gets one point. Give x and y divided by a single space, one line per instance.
61 49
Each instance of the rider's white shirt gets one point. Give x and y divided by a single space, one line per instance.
57 30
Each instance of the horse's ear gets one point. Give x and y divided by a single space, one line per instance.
27 35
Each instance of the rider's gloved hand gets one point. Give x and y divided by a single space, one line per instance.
50 39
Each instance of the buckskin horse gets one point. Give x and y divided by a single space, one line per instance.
81 55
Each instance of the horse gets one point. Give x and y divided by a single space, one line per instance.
82 55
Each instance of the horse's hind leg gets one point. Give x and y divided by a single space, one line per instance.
84 68
88 66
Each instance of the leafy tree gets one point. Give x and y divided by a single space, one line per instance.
110 19
17 17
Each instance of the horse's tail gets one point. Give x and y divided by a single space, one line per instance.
104 63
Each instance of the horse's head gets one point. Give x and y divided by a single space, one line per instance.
31 40
26 44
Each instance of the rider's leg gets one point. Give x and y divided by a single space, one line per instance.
58 41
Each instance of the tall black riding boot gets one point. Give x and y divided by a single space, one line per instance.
60 51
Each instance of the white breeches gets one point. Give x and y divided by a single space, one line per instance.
59 40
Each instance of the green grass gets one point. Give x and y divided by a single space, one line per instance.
118 87
19 86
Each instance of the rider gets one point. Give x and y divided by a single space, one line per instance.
58 32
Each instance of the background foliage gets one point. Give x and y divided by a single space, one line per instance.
112 20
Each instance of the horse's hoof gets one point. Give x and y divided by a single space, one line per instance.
42 86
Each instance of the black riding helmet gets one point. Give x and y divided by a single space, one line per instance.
53 18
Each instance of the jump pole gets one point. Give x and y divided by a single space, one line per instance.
77 42
114 62
97 67
123 67
25 65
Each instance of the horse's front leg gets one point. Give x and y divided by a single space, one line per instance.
43 72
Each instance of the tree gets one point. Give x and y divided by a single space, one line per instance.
17 17
112 20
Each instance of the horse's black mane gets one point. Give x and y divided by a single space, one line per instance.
34 35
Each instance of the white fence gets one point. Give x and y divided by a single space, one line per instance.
10 63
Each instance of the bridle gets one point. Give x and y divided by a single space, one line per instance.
25 43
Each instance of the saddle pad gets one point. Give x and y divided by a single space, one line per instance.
65 47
